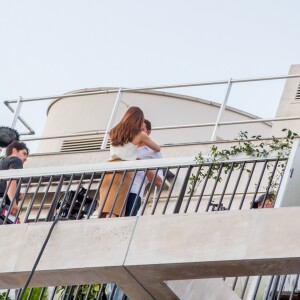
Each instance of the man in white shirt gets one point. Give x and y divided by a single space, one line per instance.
134 200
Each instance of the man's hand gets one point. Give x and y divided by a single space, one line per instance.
14 209
21 196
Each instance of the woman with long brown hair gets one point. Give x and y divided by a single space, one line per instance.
124 140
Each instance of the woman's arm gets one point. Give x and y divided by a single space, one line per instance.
143 138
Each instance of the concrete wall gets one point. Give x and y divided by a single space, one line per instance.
289 106
91 113
140 253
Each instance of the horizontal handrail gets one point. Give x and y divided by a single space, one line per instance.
116 166
171 86
167 128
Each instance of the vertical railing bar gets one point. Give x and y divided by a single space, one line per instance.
294 288
279 185
16 113
55 199
75 195
138 193
93 204
192 190
54 290
236 184
273 287
225 186
256 287
77 291
111 119
66 289
247 185
7 294
41 293
88 292
118 193
124 297
100 291
13 200
215 186
63 197
19 293
29 294
30 205
258 183
43 199
22 202
108 190
159 193
222 109
244 287
128 192
180 198
111 297
5 192
203 188
171 190
85 196
234 283
270 282
270 182
281 287
149 191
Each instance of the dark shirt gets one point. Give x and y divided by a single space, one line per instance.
7 163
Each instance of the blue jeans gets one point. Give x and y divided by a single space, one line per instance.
130 204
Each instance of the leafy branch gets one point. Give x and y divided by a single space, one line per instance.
253 147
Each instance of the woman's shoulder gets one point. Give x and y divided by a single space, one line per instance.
140 137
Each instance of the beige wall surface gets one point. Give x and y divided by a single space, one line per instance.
91 113
153 249
289 106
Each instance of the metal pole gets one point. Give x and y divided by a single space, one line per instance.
15 119
112 118
221 111
16 113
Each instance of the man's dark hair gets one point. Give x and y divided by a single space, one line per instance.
17 145
148 124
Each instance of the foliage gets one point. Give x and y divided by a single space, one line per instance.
70 292
3 296
35 293
251 148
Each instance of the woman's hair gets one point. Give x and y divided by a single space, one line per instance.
16 145
130 125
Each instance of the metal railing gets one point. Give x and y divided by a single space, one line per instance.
229 83
186 187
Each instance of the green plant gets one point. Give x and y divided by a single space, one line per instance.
71 291
35 293
251 148
3 296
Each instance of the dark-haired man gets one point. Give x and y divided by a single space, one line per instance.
16 155
134 200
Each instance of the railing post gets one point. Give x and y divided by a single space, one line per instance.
111 119
221 111
16 113
15 119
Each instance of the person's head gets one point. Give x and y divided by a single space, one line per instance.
269 201
17 149
130 125
147 127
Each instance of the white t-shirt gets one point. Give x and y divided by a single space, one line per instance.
144 153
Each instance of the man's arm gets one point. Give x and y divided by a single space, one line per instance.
15 163
11 194
157 179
